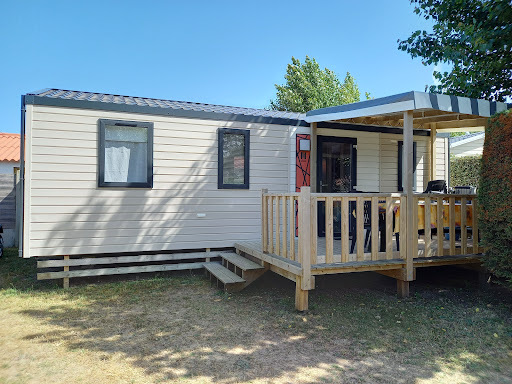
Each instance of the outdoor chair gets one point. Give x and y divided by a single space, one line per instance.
436 186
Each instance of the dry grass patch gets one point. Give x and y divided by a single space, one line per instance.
179 329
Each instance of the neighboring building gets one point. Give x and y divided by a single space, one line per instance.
468 145
9 152
9 161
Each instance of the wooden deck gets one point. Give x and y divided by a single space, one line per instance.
254 249
367 225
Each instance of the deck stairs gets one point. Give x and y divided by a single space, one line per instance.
234 272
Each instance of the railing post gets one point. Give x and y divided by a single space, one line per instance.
305 236
408 189
264 221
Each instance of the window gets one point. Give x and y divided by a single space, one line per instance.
401 176
125 154
233 158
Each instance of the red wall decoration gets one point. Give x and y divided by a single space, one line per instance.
302 175
302 172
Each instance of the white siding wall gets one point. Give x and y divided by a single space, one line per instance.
389 162
68 214
442 159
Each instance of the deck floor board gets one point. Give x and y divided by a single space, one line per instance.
352 265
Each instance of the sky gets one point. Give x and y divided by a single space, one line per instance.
218 52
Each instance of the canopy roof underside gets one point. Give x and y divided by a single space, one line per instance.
429 110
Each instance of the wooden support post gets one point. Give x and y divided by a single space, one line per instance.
305 237
207 255
408 157
65 280
301 296
402 287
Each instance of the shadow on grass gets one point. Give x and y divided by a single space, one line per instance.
181 328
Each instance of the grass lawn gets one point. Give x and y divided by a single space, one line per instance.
178 328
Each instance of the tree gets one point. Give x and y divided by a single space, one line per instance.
495 197
308 87
473 36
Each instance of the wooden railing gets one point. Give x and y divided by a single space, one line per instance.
279 221
459 215
362 226
361 216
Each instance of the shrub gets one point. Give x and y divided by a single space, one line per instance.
465 170
495 197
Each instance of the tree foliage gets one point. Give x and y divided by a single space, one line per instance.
495 197
475 37
309 87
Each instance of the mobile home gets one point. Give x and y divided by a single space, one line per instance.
109 175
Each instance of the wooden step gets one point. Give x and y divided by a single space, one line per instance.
240 261
232 282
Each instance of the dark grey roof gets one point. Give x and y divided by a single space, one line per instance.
468 136
130 104
92 100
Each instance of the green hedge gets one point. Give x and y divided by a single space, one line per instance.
465 170
495 197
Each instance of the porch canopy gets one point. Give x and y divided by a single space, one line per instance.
410 110
418 110
429 111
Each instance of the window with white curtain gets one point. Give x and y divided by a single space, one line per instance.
125 154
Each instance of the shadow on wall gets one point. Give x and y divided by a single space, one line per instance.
109 220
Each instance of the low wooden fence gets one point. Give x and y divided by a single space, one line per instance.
366 226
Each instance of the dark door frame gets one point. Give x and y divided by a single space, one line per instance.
353 160
353 175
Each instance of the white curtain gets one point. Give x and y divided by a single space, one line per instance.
117 163
126 154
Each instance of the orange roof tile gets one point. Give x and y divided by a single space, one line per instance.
9 147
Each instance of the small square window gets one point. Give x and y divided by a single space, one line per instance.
233 158
125 154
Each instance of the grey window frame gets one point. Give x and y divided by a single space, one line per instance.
221 132
102 123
